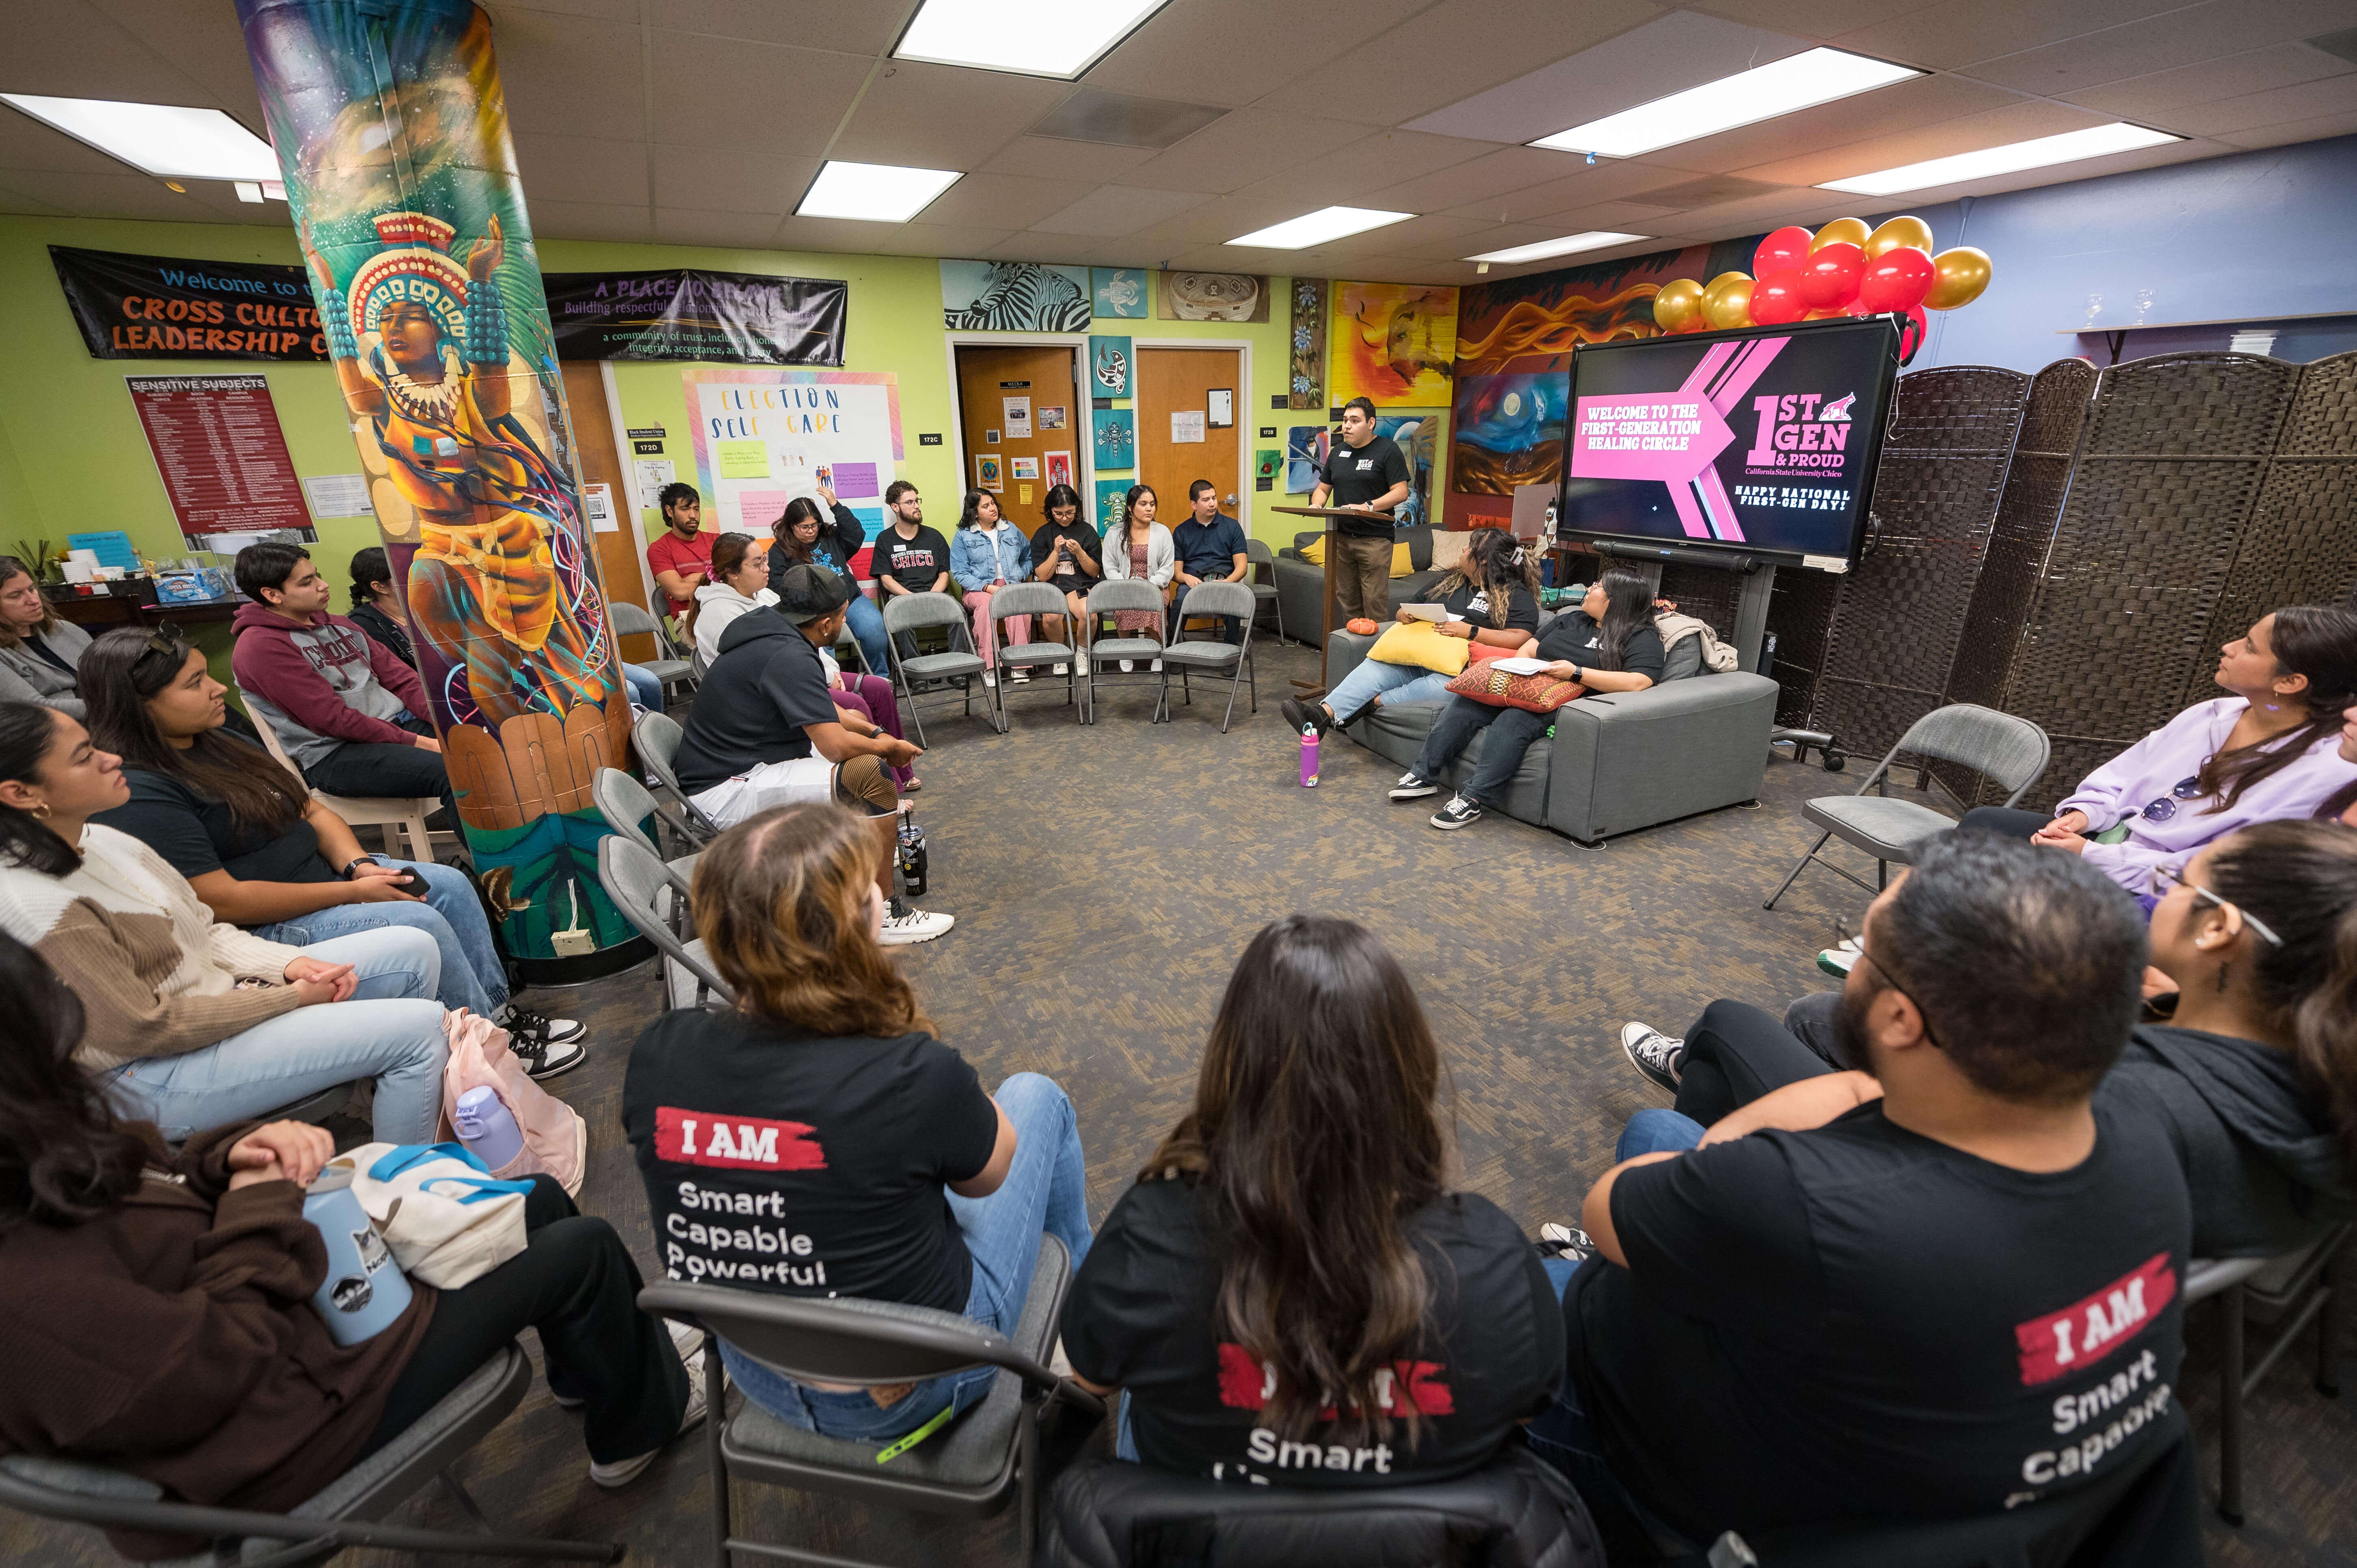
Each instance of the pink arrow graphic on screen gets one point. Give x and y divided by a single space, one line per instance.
1674 437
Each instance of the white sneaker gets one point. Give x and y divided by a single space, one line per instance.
904 924
1840 959
1021 676
989 677
1155 665
1128 666
622 1472
1061 669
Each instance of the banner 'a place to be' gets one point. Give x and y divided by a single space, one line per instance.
160 307
741 319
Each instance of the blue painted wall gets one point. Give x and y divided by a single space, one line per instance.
2250 238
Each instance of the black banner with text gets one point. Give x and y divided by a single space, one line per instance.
740 319
158 307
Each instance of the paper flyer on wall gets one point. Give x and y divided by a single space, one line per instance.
764 436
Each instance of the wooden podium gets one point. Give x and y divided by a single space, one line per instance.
1305 689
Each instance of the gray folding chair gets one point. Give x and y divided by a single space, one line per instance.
971 1468
657 737
1111 594
1257 555
847 651
1031 599
625 803
653 900
670 669
2300 1284
913 612
2009 752
344 1514
1212 657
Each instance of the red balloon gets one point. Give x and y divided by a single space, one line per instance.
1910 333
1781 252
1776 299
1830 279
1896 280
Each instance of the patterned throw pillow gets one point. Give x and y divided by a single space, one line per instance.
1485 683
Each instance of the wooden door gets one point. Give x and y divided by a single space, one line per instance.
617 551
1046 379
1180 381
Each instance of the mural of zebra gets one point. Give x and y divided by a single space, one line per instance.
1014 297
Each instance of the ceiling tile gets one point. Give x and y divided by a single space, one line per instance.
776 99
590 220
2021 122
581 169
1900 108
1667 55
1002 201
2189 37
1622 217
2296 130
1588 184
602 10
1292 40
571 76
1247 145
11 202
2234 75
1112 210
1818 20
730 230
813 24
27 143
2308 101
980 244
1461 47
68 48
200 39
1045 158
1956 33
1477 239
1476 180
121 195
940 116
708 179
1372 163
879 238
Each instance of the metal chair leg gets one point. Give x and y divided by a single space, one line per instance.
716 1417
1797 870
2230 1413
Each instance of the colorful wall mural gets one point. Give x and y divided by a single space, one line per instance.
1393 344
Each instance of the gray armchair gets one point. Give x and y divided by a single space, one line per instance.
1618 761
1301 587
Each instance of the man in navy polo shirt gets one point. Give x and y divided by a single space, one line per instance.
1211 549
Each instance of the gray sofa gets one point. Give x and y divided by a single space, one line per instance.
1301 587
1616 762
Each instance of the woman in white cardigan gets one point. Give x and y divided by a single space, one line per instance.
194 1024
1139 547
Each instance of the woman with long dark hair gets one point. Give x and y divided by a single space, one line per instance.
1492 600
859 1154
2270 749
40 651
376 603
1607 644
187 1276
1291 1294
806 535
1064 553
1140 547
265 856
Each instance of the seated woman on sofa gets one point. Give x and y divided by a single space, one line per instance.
1290 1293
2268 749
265 856
896 1176
194 1024
159 1301
1493 600
1607 644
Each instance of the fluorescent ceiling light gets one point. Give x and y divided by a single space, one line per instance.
1317 228
158 138
1594 239
2069 147
878 193
1034 37
1798 81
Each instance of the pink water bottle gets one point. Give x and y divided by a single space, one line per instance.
1309 757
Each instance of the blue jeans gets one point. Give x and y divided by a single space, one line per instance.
646 688
472 976
1373 679
390 1029
1046 1190
867 630
1649 1131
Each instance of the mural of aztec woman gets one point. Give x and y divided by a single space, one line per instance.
447 367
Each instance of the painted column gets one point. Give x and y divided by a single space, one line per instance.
391 128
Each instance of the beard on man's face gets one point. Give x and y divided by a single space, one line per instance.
1851 1047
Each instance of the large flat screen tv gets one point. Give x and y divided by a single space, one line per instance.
1761 440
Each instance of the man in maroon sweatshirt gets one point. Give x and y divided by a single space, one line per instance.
351 714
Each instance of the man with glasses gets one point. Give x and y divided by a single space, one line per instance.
1941 1282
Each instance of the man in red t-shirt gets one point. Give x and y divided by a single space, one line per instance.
682 557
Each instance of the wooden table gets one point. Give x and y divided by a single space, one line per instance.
1307 690
101 612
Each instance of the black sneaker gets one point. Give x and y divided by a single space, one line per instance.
1660 1057
1462 812
1565 1241
1414 786
1304 716
548 1048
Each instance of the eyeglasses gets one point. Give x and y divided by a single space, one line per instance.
2161 807
1857 939
2164 879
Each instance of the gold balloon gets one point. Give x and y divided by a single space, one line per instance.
1728 302
1678 306
1840 232
1958 277
1897 232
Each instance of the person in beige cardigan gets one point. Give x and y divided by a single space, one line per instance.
193 1022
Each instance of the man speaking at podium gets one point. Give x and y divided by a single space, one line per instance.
1365 472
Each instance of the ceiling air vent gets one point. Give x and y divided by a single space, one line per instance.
1121 120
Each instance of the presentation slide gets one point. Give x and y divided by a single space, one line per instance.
1763 440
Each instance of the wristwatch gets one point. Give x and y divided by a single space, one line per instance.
359 860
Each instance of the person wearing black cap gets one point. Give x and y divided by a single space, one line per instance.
764 731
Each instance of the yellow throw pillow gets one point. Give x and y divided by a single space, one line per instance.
1401 566
1315 551
1418 643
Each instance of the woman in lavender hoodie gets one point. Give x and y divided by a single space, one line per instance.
2268 750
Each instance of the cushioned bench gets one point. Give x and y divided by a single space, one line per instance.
1301 587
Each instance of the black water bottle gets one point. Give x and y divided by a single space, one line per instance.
912 856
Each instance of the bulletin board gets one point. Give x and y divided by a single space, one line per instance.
765 435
